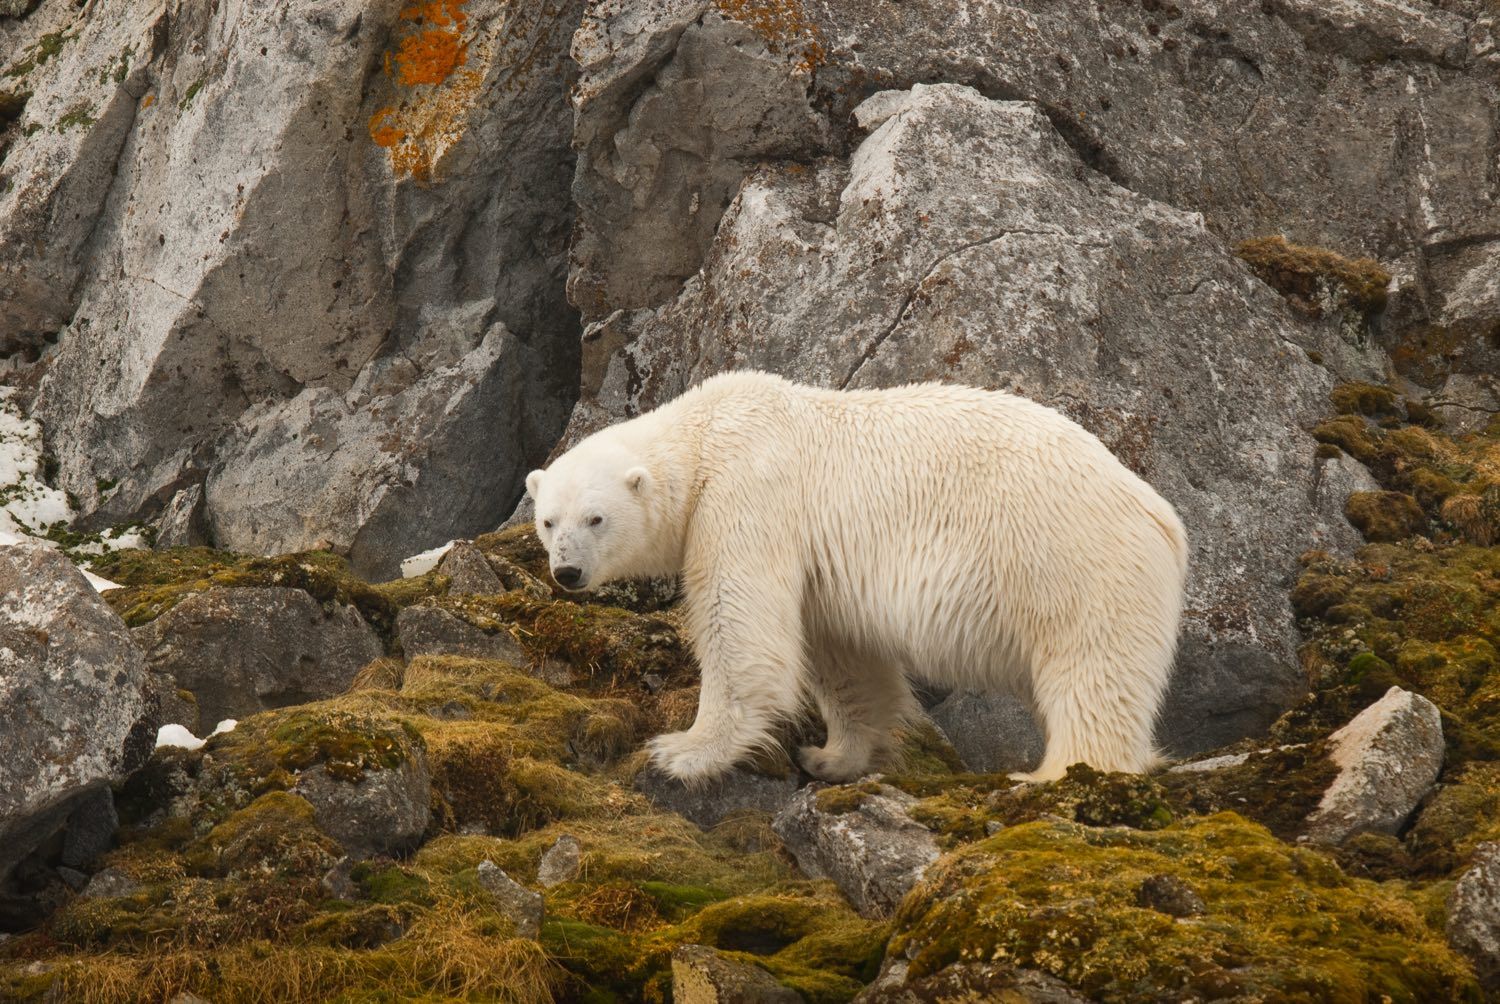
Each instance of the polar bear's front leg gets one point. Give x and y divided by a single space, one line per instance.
747 634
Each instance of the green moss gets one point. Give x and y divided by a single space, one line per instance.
157 581
45 48
1282 923
190 94
1385 516
609 645
1365 399
1315 280
275 834
1091 797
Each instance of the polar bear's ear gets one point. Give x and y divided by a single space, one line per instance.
533 484
638 480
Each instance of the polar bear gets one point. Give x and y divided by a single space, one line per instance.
835 545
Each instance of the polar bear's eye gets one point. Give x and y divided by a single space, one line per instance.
596 521
546 524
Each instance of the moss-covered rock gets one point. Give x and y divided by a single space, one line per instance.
1279 922
156 581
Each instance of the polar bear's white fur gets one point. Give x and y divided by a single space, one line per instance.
836 544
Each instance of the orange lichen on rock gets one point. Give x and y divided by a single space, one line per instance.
428 61
782 23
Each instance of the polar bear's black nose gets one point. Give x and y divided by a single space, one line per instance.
567 576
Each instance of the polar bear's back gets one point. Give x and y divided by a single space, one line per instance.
968 529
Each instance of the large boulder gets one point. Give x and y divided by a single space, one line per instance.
72 699
680 98
1131 316
243 650
347 198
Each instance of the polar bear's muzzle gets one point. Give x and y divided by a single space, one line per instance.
570 577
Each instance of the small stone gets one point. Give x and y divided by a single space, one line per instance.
1170 895
518 902
707 804
653 683
700 975
72 877
561 863
1474 915
872 849
1389 757
468 571
109 883
993 827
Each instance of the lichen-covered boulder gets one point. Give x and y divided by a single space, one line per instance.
1388 759
562 862
863 838
379 810
72 697
239 651
1474 914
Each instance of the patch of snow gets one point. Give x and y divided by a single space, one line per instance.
421 564
177 735
99 582
227 725
27 506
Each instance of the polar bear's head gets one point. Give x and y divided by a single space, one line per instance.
592 513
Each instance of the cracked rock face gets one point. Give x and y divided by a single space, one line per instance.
964 240
349 193
874 852
245 650
72 690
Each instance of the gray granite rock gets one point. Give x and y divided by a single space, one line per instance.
434 631
993 733
516 901
1473 923
110 883
382 812
1389 757
72 699
468 571
708 804
249 649
561 863
873 850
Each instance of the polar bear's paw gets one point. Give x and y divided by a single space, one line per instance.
830 767
687 758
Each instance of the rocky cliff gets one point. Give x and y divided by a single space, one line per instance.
294 291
